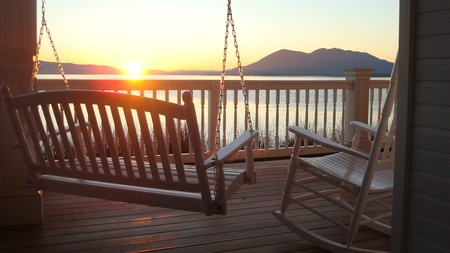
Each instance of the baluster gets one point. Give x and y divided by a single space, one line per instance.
325 106
371 99
333 133
164 125
257 117
179 130
277 119
235 113
316 109
267 119
202 119
344 104
297 103
380 104
286 133
224 118
307 109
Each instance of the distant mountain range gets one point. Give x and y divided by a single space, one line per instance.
320 62
78 69
284 62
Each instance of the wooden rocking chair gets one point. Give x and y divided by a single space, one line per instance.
354 179
123 147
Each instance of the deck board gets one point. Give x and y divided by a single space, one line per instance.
81 224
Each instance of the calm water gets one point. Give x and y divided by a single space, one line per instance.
195 77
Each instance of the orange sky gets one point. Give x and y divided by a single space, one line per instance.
179 34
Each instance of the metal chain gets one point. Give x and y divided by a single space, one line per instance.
222 81
222 86
38 47
241 74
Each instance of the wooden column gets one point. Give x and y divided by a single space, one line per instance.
18 204
357 103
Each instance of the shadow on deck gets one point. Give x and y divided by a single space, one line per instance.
79 224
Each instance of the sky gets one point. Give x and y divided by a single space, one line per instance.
179 34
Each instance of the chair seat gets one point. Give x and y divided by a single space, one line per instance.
350 169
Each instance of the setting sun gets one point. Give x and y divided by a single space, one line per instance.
134 70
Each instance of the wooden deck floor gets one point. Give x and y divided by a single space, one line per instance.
79 224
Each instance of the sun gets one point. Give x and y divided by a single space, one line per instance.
134 70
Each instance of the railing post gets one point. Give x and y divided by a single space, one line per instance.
212 120
357 103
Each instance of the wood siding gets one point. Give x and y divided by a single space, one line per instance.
427 181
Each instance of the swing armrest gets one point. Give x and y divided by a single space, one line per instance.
325 142
232 147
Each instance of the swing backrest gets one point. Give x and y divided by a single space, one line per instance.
109 137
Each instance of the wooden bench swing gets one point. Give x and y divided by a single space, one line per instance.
126 148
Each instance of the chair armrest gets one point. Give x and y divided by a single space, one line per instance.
232 147
362 126
325 142
359 126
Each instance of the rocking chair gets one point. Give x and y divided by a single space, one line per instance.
354 180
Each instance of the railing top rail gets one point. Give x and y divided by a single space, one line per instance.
116 84
378 83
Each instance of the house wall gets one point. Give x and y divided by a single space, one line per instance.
422 194
18 204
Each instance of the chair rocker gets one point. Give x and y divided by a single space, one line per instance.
350 180
125 148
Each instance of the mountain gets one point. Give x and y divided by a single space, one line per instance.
83 69
181 72
320 62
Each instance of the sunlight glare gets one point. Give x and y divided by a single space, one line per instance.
134 70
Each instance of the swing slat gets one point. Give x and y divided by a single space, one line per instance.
132 134
173 138
34 138
148 143
58 149
100 145
86 137
110 140
161 142
76 139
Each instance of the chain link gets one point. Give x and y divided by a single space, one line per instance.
229 22
33 81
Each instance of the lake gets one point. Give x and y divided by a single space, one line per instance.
194 77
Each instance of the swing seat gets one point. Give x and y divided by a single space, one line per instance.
348 180
125 148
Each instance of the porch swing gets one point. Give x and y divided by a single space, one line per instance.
124 147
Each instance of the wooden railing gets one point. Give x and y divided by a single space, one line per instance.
320 106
